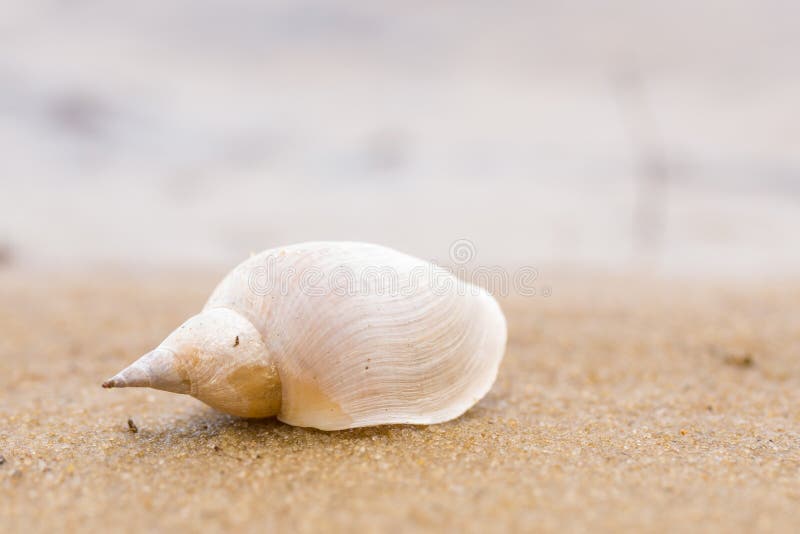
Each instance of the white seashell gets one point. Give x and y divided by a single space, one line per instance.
333 335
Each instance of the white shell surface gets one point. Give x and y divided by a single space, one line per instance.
365 335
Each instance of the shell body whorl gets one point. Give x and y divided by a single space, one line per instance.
364 335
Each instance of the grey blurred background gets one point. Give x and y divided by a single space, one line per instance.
602 134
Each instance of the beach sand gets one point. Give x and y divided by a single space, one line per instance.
622 404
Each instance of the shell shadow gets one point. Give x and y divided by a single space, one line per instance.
215 429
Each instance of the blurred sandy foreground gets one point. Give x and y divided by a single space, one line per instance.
622 404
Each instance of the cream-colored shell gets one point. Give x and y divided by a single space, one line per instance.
362 353
363 335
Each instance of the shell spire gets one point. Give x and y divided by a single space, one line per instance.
157 369
216 356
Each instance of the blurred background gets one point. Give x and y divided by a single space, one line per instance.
624 135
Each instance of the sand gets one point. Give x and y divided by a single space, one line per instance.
621 405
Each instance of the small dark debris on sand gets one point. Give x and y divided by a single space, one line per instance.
734 358
2 459
740 360
132 426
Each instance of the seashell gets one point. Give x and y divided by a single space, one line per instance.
333 335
